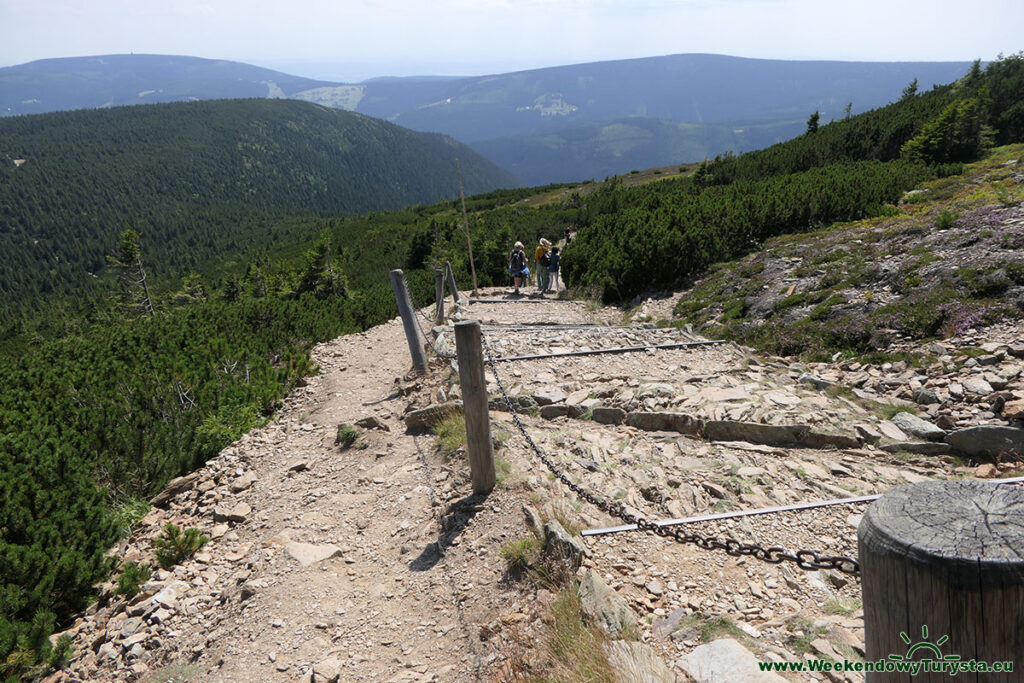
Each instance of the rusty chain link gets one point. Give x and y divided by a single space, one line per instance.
804 559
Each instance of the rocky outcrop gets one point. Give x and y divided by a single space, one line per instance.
604 607
725 660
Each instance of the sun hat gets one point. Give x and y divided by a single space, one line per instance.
544 242
518 245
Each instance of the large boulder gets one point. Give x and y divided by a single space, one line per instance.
987 441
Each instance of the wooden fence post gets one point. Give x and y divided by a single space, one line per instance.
474 405
451 282
942 571
408 313
439 296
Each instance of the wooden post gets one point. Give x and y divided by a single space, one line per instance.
439 296
405 309
942 570
451 282
474 405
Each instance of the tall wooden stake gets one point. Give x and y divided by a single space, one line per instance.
465 226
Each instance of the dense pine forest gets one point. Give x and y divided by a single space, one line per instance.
109 392
205 181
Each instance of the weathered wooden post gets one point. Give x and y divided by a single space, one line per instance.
474 405
439 296
451 282
942 571
405 309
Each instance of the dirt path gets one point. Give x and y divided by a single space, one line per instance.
373 563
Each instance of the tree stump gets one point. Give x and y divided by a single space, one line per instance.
942 569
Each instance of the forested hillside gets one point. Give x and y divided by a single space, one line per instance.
203 181
155 382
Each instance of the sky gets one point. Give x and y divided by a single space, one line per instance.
351 40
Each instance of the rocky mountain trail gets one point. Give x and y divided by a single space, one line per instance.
373 562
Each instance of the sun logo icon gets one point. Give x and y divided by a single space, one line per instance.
927 646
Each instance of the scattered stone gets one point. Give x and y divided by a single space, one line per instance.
373 422
912 424
327 671
308 553
425 418
236 513
977 386
891 431
548 396
714 490
1013 410
243 482
925 396
174 487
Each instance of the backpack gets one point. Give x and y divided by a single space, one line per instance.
545 260
515 261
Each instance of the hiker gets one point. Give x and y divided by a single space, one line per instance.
517 265
553 269
543 259
568 236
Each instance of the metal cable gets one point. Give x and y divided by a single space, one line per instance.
804 559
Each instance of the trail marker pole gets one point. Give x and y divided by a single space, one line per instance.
439 296
942 571
451 282
465 226
405 309
474 405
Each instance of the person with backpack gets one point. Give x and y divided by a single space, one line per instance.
543 259
553 269
517 265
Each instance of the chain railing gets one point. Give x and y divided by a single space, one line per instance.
804 559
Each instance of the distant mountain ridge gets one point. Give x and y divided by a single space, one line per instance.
507 116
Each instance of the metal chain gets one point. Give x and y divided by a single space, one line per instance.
804 559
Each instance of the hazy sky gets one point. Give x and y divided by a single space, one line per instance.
356 39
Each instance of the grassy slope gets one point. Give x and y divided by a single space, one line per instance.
853 287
